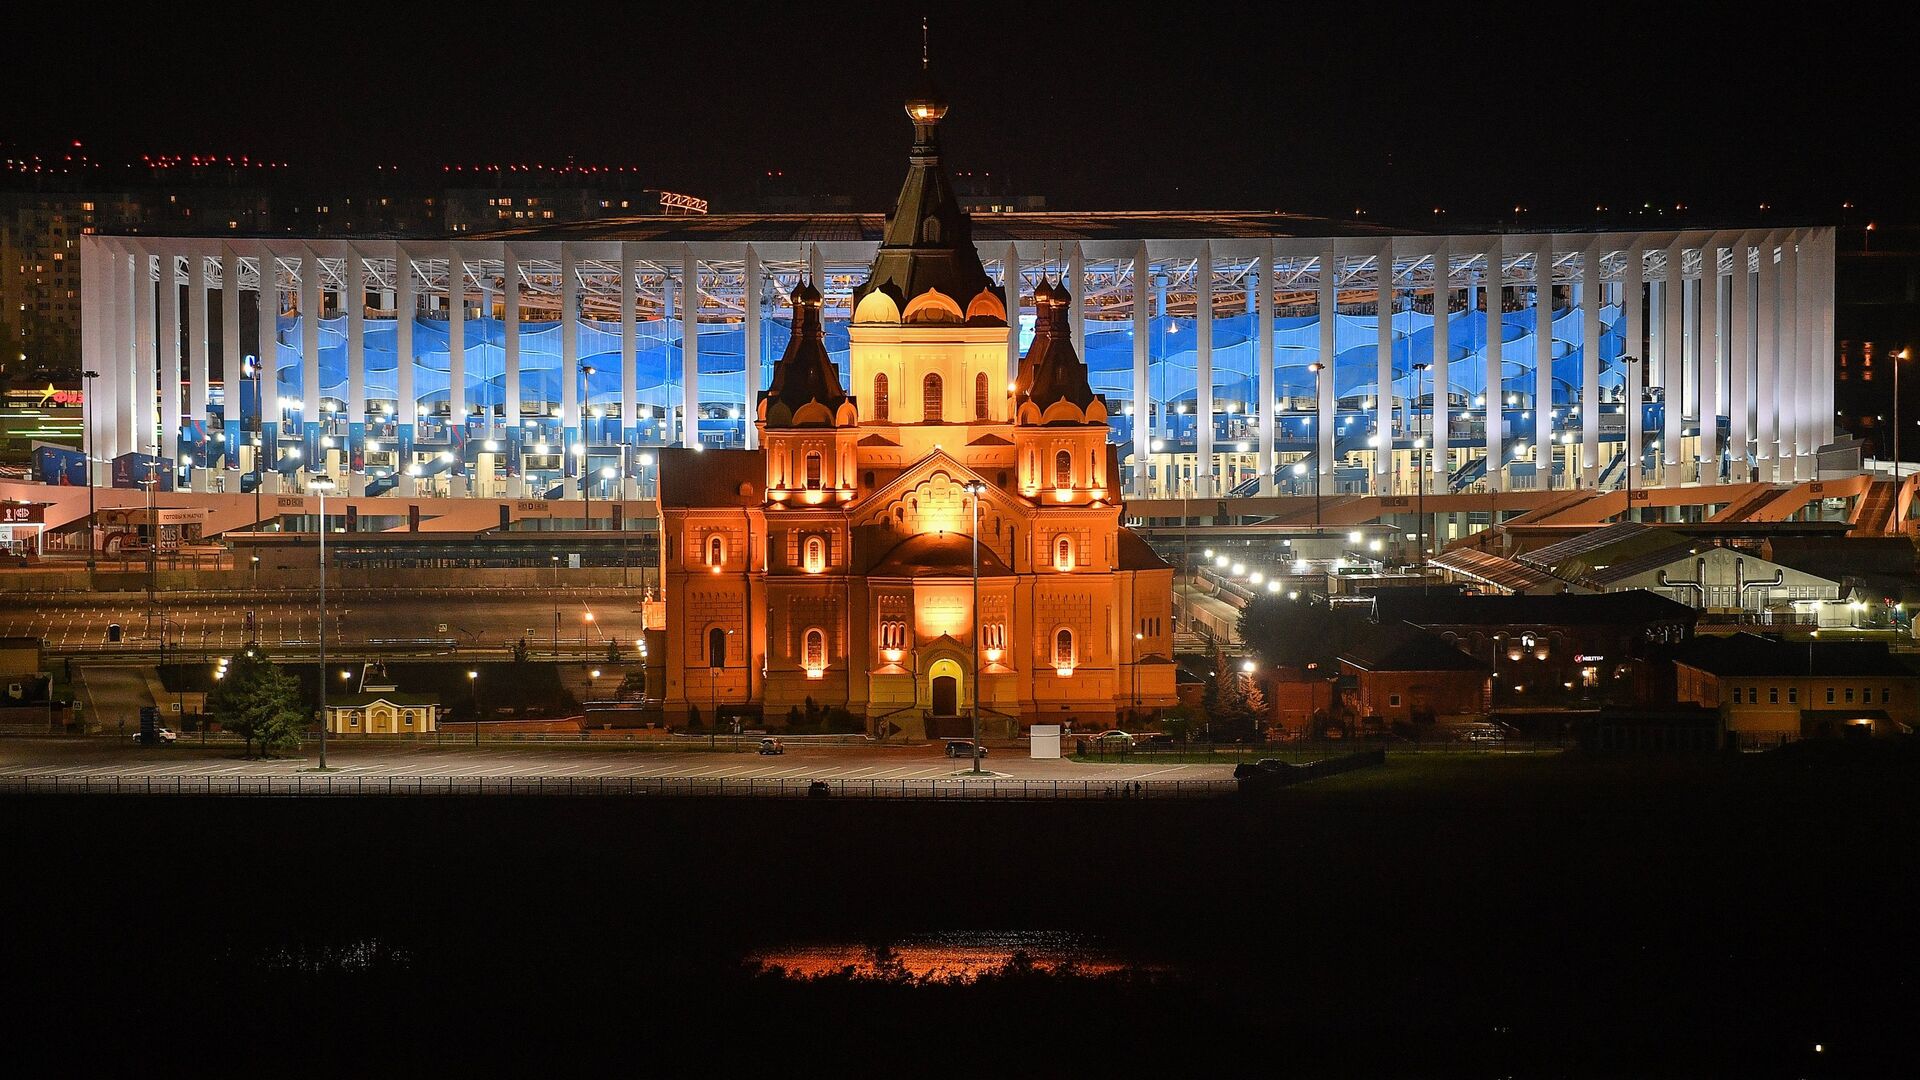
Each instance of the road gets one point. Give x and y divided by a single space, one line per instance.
106 757
356 622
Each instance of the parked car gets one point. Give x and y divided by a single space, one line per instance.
1115 740
1487 734
772 746
160 735
962 748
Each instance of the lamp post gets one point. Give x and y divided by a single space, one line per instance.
1316 367
252 371
1420 457
153 520
555 559
1626 435
86 454
1898 359
586 454
473 691
1138 637
320 484
976 488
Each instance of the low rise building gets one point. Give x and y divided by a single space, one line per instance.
381 709
1772 692
1403 674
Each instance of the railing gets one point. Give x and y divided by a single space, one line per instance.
616 787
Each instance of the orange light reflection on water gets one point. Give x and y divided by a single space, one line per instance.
961 958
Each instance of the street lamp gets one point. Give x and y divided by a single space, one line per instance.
1318 466
1899 358
153 521
320 484
473 691
976 488
1137 639
86 454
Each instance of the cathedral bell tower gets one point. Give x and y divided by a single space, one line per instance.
806 420
1060 424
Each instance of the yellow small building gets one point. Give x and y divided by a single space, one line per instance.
380 709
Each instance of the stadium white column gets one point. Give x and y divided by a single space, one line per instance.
1496 417
266 367
169 359
1260 280
569 360
406 410
1739 363
230 369
1633 303
751 311
690 338
312 419
1143 403
1203 371
353 282
199 377
127 351
1543 367
456 366
1793 439
1711 362
1383 455
1766 420
513 429
1324 407
1077 299
1439 381
1809 408
1010 293
1823 333
1673 363
1592 290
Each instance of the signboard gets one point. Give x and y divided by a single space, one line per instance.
22 513
48 397
61 466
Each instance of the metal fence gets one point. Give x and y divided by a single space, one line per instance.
615 786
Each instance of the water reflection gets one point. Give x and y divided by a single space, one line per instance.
951 956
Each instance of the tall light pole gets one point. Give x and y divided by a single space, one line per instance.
586 453
1626 435
1899 358
320 484
252 371
1318 466
473 691
976 488
1138 637
1420 458
86 453
153 521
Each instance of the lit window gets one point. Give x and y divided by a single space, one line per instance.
880 397
1063 659
1063 554
814 654
815 557
716 551
814 468
1063 470
932 400
980 396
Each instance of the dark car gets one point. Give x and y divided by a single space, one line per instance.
772 746
962 748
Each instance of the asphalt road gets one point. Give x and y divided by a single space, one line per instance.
116 757
354 623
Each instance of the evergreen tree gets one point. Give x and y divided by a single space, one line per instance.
259 702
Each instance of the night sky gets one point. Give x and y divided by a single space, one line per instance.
1309 108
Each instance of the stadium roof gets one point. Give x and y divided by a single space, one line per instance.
987 227
1495 570
1632 606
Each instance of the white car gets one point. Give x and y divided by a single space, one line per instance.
160 735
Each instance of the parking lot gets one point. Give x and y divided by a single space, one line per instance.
107 757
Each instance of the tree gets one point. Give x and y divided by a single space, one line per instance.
613 651
259 702
1230 702
521 651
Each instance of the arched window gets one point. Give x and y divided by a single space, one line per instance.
716 551
815 557
932 400
880 396
1063 469
1063 553
813 470
1063 648
980 396
717 647
814 653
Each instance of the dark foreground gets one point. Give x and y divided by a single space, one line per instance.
1477 916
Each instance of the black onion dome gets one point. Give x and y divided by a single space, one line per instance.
806 373
1052 371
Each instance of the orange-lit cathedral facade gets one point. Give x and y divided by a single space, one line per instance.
837 562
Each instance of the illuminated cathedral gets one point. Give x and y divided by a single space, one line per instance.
838 564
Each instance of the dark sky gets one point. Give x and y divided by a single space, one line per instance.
1313 108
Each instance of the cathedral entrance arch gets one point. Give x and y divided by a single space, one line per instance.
943 688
